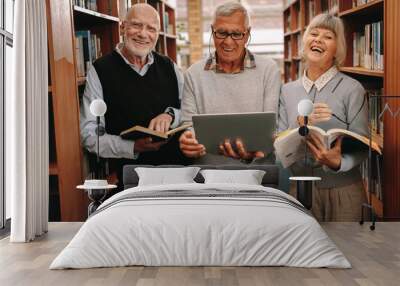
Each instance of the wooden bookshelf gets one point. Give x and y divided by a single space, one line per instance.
355 19
66 159
86 16
362 71
294 24
366 9
66 85
374 201
65 150
391 186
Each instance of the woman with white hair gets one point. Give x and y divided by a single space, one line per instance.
339 102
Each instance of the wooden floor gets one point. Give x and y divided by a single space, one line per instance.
375 256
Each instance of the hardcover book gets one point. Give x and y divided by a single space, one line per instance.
138 131
290 145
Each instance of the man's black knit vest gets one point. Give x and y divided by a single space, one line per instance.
134 100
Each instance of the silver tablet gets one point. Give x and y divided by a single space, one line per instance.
255 129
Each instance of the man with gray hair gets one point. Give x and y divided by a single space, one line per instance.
233 80
140 87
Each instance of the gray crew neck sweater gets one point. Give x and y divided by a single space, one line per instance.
253 90
345 96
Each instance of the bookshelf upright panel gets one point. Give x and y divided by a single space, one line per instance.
66 154
391 194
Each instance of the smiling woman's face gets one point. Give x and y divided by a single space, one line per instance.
320 47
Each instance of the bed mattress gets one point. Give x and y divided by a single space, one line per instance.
201 225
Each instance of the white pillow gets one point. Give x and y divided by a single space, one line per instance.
248 177
164 176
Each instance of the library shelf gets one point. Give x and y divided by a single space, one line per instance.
363 71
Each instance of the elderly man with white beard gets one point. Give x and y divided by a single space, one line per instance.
140 87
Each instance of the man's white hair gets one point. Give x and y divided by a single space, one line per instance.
229 8
140 6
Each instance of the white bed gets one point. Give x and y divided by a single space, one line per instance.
224 225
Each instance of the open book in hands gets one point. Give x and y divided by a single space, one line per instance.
290 145
137 132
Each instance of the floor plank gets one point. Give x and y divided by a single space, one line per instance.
374 255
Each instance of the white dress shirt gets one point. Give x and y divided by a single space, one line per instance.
113 146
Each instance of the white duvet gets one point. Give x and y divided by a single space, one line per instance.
200 231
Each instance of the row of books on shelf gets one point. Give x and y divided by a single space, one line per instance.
298 44
310 11
356 3
287 72
288 49
168 27
377 106
298 69
88 49
297 66
368 47
328 5
296 48
288 20
124 5
376 179
292 17
87 4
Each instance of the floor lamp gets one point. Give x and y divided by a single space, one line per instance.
305 183
97 188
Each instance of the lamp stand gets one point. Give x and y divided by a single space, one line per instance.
304 185
98 147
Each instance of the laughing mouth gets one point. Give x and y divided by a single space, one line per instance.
317 49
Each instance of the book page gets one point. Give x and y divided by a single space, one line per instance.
321 134
336 132
141 130
289 147
177 129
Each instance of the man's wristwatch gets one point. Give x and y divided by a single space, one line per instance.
170 112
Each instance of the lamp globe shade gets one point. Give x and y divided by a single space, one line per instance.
98 107
305 107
